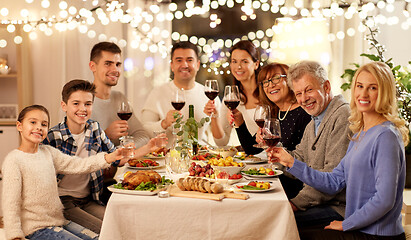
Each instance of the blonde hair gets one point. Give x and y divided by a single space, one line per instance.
386 104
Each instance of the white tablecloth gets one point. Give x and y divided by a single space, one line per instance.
263 216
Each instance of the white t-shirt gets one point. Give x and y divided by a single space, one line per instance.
158 104
76 185
105 112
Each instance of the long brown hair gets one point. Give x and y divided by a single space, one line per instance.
266 73
249 47
27 109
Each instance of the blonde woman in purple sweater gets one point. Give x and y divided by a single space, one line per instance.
373 169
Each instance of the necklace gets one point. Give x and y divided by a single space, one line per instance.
279 116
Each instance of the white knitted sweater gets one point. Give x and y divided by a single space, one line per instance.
30 197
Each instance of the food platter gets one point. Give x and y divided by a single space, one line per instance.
276 173
161 164
133 192
272 187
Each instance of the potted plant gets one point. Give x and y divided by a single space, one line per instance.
186 138
402 76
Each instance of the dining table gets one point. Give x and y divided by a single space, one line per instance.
264 215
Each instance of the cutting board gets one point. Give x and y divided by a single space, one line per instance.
176 192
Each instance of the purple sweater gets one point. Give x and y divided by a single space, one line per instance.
373 172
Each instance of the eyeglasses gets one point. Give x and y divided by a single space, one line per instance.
275 80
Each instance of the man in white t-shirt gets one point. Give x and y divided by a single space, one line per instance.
158 113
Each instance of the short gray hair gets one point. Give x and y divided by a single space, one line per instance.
312 68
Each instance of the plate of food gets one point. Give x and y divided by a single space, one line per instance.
250 159
159 154
255 186
141 183
262 172
224 151
232 179
202 149
205 157
143 164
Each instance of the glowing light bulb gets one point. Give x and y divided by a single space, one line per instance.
18 39
48 32
24 12
33 35
4 12
72 10
102 37
91 34
63 5
27 28
11 28
3 43
45 4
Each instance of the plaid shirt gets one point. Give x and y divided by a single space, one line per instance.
95 141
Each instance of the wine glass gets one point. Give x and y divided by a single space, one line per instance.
124 110
179 100
211 90
161 141
262 112
221 177
231 97
271 132
128 145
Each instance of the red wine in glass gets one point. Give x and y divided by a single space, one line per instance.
260 122
124 115
178 105
211 94
232 104
272 141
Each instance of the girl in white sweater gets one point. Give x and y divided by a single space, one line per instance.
31 204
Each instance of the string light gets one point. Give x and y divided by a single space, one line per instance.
148 37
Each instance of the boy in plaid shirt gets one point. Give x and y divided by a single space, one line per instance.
78 135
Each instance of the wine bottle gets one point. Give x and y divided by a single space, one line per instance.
191 115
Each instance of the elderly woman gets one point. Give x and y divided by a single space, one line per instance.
274 92
373 169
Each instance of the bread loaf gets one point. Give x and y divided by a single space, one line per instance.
199 184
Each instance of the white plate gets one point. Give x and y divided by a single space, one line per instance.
133 192
230 181
254 191
145 168
252 160
276 173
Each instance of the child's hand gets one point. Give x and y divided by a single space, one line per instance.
117 155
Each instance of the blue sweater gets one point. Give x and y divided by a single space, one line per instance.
373 172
